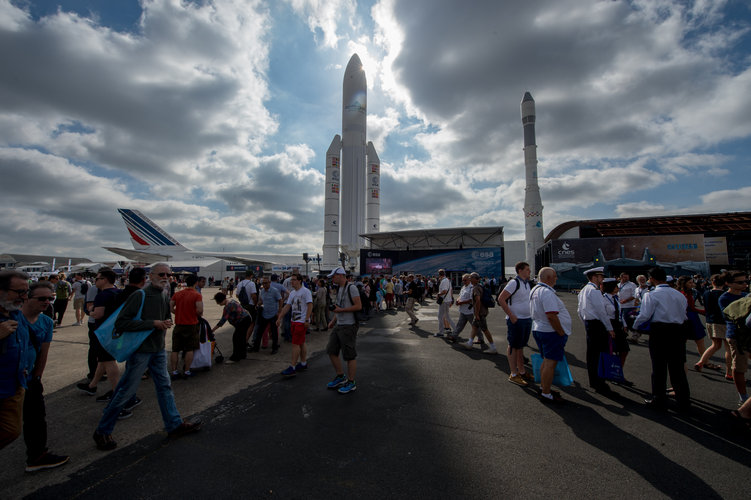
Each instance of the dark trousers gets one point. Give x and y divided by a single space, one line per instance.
239 344
667 349
261 327
60 306
34 421
597 342
91 357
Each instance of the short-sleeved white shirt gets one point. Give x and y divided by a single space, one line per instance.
446 286
543 300
519 300
626 291
298 301
250 289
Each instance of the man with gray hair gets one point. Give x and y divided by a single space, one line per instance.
151 353
445 299
480 321
412 291
465 308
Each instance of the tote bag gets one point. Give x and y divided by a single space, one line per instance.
121 345
562 377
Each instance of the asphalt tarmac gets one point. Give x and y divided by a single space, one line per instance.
428 420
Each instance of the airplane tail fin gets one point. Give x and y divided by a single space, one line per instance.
145 234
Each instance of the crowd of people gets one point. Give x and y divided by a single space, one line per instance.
615 313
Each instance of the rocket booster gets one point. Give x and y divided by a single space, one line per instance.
331 209
533 234
373 209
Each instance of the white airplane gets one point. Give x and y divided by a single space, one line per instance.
152 244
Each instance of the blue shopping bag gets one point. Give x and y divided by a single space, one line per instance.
121 345
610 367
562 377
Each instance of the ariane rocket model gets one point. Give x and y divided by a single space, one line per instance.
352 201
533 235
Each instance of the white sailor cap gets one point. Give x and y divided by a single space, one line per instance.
609 280
594 270
669 278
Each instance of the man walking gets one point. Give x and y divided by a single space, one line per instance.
343 337
446 298
34 423
187 306
480 322
63 294
627 300
514 300
156 316
412 292
248 297
597 325
665 309
80 287
464 302
300 305
551 326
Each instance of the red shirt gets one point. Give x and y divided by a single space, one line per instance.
185 306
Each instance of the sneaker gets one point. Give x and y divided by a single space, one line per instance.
124 414
289 372
76 324
299 367
274 350
104 397
188 374
174 376
229 362
338 381
491 350
527 376
518 380
83 386
134 401
349 386
439 334
184 429
46 461
104 442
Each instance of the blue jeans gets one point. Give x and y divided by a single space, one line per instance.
129 381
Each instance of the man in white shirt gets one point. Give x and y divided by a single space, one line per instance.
247 294
627 300
446 298
300 306
551 326
597 325
464 302
514 300
665 309
642 290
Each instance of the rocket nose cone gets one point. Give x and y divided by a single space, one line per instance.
354 64
527 97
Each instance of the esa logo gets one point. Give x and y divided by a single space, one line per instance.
374 254
482 254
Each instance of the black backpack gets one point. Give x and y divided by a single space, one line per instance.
242 294
359 315
84 287
487 297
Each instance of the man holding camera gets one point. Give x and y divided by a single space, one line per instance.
343 337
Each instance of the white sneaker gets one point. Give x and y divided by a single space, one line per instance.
76 324
492 350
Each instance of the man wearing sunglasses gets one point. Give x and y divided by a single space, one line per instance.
151 354
737 283
15 354
34 422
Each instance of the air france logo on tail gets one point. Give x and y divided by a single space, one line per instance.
144 233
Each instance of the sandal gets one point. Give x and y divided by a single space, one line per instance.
104 442
729 377
698 367
713 366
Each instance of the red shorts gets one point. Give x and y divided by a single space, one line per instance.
298 333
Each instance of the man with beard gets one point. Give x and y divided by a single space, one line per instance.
151 353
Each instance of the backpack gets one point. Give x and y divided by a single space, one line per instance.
736 313
61 291
242 294
359 315
84 287
518 285
487 298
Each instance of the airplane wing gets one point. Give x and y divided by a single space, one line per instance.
145 257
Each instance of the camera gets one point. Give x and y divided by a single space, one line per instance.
332 307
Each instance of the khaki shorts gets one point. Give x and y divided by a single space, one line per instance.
740 361
716 331
185 338
78 304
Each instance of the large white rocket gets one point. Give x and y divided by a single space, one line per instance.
533 236
352 178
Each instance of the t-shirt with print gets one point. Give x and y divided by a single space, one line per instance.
346 318
298 301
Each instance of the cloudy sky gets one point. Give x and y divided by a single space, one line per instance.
213 116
